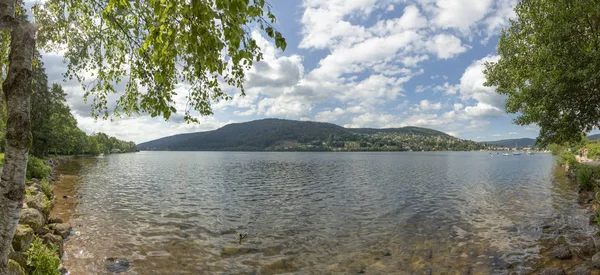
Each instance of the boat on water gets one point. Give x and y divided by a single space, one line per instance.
530 153
506 154
517 153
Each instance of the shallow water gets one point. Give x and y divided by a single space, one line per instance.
316 213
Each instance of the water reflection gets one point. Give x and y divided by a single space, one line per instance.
314 213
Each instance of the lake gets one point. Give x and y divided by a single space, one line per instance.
316 213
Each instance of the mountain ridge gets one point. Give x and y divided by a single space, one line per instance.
519 142
281 134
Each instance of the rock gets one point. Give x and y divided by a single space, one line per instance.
581 270
596 260
32 190
60 229
14 268
55 220
19 257
51 239
22 238
32 218
237 251
557 270
38 202
281 266
116 265
588 249
562 253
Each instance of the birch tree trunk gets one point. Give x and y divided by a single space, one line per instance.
17 91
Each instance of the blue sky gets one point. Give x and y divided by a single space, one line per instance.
360 63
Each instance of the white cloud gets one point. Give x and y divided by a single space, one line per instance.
489 103
460 14
483 110
330 115
446 46
413 61
426 105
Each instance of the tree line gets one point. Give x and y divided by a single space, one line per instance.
54 130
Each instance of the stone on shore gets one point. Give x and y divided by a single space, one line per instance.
51 239
14 268
38 202
22 238
55 220
60 229
562 253
33 218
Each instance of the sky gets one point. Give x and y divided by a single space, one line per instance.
355 63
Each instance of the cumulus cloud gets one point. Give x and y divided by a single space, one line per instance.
446 46
489 103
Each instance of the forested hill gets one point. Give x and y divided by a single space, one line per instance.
281 135
520 142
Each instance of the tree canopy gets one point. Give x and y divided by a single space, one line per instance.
151 46
549 67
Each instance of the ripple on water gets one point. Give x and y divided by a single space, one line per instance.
401 213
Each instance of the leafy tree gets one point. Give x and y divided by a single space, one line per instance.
148 45
550 67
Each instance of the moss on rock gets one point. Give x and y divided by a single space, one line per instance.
14 268
22 238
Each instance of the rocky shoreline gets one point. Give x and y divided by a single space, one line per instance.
581 254
36 225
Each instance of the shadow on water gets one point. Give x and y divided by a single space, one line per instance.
315 213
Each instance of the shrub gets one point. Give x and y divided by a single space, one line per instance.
47 189
567 158
593 150
37 168
584 176
42 259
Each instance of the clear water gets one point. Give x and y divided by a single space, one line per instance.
315 213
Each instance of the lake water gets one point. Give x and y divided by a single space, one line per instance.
316 213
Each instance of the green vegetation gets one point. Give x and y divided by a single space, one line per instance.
584 176
567 158
290 135
37 168
593 149
42 259
47 189
148 47
54 129
549 66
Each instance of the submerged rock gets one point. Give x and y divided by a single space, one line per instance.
33 218
279 266
557 270
581 270
116 265
596 260
22 238
235 251
562 253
